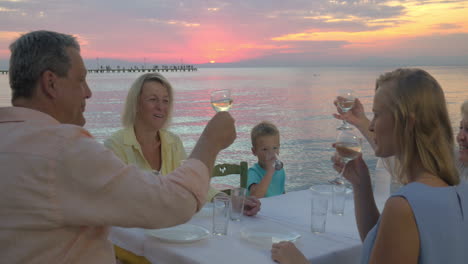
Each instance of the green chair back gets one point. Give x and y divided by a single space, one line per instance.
224 169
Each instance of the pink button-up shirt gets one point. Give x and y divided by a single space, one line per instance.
60 191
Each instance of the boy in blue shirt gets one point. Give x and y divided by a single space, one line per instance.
264 180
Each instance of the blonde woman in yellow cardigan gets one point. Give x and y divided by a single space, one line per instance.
144 141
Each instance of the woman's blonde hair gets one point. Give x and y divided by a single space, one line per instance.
422 126
131 103
464 109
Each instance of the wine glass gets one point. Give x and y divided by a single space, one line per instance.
278 163
221 100
348 146
345 102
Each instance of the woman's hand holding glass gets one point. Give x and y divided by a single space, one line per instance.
355 116
353 171
345 102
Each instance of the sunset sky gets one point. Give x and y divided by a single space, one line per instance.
251 32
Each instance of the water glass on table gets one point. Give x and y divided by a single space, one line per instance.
221 212
237 203
338 199
318 214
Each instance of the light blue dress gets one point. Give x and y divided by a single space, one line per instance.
441 215
276 187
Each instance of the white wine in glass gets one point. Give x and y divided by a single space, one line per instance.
221 100
348 150
348 146
346 104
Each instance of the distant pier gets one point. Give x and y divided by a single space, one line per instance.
155 68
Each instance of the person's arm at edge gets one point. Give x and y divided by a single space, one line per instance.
206 148
182 155
260 189
93 187
397 239
109 187
366 211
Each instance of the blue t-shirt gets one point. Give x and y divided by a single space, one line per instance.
276 187
442 221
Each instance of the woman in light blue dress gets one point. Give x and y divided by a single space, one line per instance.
426 220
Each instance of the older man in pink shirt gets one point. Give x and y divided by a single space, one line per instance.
60 190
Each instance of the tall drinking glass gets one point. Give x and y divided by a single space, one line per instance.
221 213
221 100
345 101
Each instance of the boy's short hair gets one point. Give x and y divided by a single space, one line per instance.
264 128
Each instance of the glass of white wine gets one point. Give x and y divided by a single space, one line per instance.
221 100
345 102
348 146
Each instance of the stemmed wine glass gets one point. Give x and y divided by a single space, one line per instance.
345 101
278 163
348 146
221 100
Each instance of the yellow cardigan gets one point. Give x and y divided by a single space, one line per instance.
125 145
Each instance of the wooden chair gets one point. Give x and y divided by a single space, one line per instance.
225 169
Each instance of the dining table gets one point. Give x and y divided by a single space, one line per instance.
289 213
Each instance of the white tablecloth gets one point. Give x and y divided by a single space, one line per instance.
339 244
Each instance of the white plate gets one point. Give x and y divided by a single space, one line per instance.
267 235
185 233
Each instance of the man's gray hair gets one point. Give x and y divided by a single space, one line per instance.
34 53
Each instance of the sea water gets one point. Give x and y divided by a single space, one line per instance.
298 100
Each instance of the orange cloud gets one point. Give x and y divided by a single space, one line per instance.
171 22
82 40
418 20
4 9
10 35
